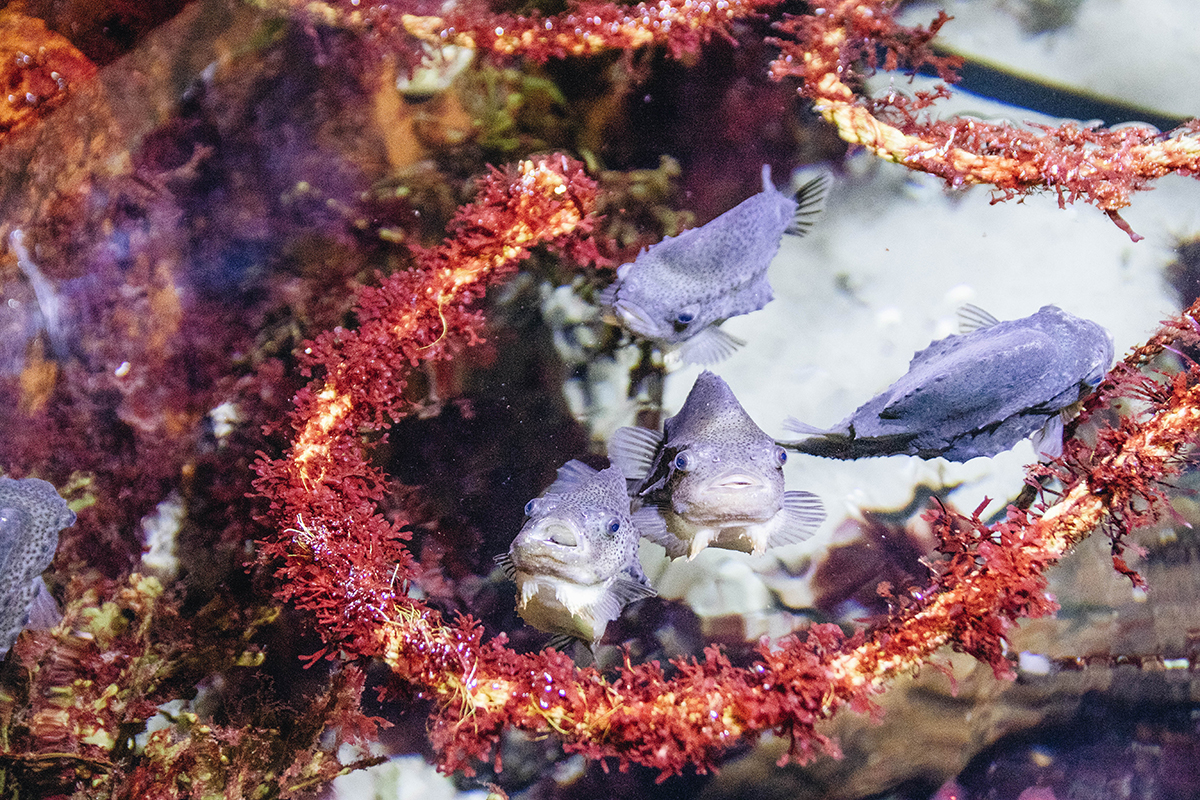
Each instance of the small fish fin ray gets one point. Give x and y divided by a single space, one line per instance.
1048 440
564 642
571 476
632 450
653 527
608 295
793 425
972 318
847 447
709 346
802 514
625 590
43 609
504 561
810 200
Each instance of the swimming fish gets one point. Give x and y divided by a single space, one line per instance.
677 292
31 516
714 477
977 393
575 560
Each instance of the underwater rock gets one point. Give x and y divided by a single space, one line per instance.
31 515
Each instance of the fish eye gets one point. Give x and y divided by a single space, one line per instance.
530 506
685 317
780 456
614 525
683 462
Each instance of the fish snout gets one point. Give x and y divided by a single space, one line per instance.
638 320
737 481
557 532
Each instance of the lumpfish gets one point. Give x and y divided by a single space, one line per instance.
715 478
677 292
979 392
31 516
575 560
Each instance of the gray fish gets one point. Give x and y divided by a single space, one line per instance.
31 516
715 478
977 393
677 292
575 560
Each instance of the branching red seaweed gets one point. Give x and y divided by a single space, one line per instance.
346 565
1104 167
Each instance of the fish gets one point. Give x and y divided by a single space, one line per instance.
678 291
575 561
31 516
714 477
978 392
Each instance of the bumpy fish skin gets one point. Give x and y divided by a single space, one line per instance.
575 560
677 291
31 516
978 393
715 478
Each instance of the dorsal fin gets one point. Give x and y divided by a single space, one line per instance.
810 202
571 476
972 318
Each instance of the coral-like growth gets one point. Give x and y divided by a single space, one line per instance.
587 28
347 565
77 695
1099 166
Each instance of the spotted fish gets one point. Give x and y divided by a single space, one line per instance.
31 516
677 292
575 560
977 393
714 477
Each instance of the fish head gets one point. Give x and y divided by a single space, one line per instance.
720 463
713 482
1102 352
658 321
647 304
585 536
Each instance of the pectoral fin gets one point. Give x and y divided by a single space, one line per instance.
632 450
650 523
801 515
1048 440
709 346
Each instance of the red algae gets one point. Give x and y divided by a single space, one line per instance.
335 559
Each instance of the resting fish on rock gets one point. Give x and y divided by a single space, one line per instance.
715 478
575 560
977 393
677 292
31 516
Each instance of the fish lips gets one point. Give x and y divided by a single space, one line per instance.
734 494
637 320
554 547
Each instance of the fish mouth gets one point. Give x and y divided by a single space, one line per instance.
635 318
737 482
558 533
